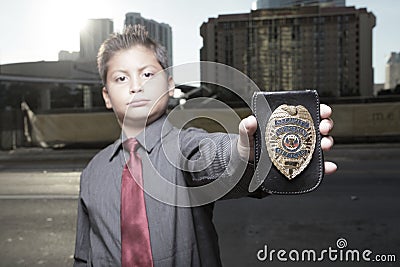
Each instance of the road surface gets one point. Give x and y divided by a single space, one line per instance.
359 205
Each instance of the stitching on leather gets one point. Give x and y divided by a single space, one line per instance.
256 139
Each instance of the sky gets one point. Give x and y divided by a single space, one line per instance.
37 30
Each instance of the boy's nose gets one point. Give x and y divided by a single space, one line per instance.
135 87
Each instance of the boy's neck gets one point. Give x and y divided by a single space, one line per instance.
134 129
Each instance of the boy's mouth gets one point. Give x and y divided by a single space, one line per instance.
138 102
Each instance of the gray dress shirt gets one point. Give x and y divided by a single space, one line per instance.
181 228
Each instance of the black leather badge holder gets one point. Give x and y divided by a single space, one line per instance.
288 156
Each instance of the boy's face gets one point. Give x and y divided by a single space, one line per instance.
137 88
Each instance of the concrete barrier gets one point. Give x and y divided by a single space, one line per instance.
367 121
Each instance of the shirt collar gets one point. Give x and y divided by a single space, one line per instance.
149 137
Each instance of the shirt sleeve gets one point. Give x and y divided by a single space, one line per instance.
82 242
211 156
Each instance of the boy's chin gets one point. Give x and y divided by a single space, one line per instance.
135 120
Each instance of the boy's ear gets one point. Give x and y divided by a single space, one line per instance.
106 98
171 86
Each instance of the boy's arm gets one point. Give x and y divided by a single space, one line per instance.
212 159
228 158
82 242
248 127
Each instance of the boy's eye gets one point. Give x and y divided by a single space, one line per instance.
121 79
147 74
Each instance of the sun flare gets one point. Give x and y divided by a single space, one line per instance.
63 21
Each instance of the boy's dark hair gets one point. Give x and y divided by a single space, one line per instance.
131 36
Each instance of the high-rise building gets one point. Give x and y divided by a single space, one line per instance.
392 78
92 36
290 3
313 47
160 32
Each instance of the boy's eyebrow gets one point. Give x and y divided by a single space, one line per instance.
140 69
147 66
118 70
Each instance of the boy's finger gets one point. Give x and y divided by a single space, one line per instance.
327 143
248 126
326 126
325 111
330 167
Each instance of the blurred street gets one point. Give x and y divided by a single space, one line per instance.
360 203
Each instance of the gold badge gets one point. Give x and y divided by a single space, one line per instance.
290 138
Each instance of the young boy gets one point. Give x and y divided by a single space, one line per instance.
177 228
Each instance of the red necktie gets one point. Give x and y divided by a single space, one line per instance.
135 236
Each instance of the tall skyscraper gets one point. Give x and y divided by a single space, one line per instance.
290 3
392 78
313 47
92 36
160 32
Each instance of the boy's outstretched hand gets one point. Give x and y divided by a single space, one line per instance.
248 127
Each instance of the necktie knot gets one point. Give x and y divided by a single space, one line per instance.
131 144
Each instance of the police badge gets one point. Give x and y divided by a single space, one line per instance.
290 139
288 156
